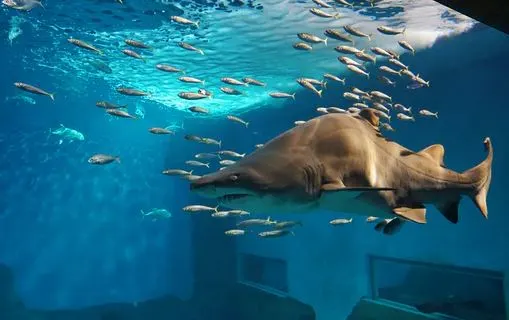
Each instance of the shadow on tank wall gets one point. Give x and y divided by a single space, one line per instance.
231 302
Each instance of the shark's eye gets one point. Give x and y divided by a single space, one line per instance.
234 177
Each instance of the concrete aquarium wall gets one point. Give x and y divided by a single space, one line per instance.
327 267
73 233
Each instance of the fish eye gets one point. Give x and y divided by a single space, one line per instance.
234 177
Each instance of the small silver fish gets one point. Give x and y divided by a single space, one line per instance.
282 95
335 110
334 78
196 109
355 32
258 145
120 113
206 156
256 222
235 232
84 45
299 122
220 214
322 3
231 154
196 163
420 80
184 21
427 113
275 233
381 52
211 141
386 81
191 177
386 126
238 120
192 96
344 2
365 57
137 44
231 91
253 82
311 38
102 159
205 92
302 46
347 61
380 95
132 92
108 105
389 70
408 73
402 108
337 222
187 46
133 54
238 213
157 130
357 70
347 49
398 63
360 105
405 45
168 68
380 107
371 219
191 80
322 14
404 117
351 96
359 91
177 172
227 162
32 89
322 110
337 35
390 31
309 86
354 110
234 82
199 208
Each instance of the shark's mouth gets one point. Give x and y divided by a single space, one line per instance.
231 197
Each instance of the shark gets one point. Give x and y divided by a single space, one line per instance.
342 163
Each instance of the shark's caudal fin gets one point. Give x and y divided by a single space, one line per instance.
480 176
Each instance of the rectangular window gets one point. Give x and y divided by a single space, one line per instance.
267 274
464 293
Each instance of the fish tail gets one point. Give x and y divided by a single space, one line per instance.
410 110
42 6
243 155
413 52
52 96
427 83
369 36
480 178
197 24
247 124
293 96
219 144
325 41
436 114
404 31
293 233
367 75
324 83
191 172
203 82
207 165
117 159
215 209
320 93
201 52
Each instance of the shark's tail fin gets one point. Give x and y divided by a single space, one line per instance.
480 176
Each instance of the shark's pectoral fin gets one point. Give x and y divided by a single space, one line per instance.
394 226
415 214
435 152
450 209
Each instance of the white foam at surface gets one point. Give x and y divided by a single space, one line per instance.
252 43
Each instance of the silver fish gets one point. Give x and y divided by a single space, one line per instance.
102 159
320 13
275 233
402 108
337 222
386 126
386 81
337 35
253 82
334 78
238 120
192 96
137 44
191 80
311 38
231 154
309 86
84 45
177 172
322 3
184 21
197 163
132 92
390 31
347 61
189 47
347 49
365 57
405 45
234 82
120 113
351 96
398 63
427 113
355 32
357 70
231 91
133 54
404 117
168 68
32 89
302 46
196 109
389 70
282 95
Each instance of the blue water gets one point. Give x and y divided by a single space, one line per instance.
72 234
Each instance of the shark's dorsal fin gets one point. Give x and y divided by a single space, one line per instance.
415 214
435 152
371 116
